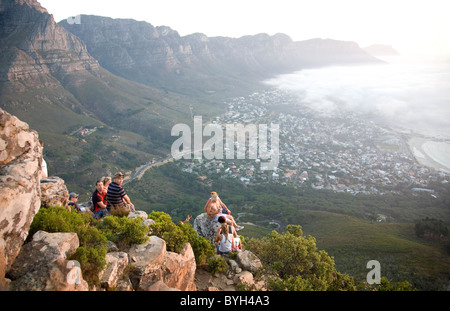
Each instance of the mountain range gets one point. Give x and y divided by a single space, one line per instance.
129 82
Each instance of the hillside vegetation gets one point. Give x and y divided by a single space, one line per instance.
344 226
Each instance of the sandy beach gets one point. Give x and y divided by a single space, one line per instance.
434 154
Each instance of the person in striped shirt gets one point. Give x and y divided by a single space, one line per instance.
119 204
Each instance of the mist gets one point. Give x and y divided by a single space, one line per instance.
403 94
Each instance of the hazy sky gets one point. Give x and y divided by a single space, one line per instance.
420 26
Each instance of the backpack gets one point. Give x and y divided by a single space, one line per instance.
90 205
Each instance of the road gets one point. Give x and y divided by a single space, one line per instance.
140 172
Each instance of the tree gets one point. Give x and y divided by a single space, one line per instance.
297 262
431 227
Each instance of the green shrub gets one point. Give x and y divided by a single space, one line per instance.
93 244
57 219
92 262
386 285
165 228
217 264
124 231
176 236
297 262
203 249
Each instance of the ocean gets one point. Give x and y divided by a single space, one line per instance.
409 95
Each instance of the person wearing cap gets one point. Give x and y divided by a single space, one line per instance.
73 199
118 202
215 208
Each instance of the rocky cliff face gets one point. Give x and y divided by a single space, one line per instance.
20 174
158 56
33 45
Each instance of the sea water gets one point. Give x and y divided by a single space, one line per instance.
410 95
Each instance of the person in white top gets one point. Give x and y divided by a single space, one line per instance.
225 237
43 163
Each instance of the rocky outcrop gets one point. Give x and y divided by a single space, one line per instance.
205 227
180 269
20 173
236 277
116 263
42 264
44 249
152 264
240 270
53 192
248 261
34 45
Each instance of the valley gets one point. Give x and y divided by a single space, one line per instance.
104 95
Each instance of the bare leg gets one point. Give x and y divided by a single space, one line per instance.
230 221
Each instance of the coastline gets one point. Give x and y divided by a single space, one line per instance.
430 153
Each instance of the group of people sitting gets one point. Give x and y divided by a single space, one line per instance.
109 198
227 239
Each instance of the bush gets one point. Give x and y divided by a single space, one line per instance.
217 264
58 219
297 262
176 236
203 249
93 244
124 231
168 231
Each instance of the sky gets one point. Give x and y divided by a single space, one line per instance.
409 26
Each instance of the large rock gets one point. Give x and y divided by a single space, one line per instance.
53 192
206 227
116 262
146 261
44 249
180 269
248 261
20 173
60 275
42 264
151 265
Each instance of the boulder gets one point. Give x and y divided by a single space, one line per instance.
60 275
136 214
151 264
116 262
234 266
44 249
160 286
180 269
42 264
206 227
20 173
146 261
248 261
244 278
53 192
